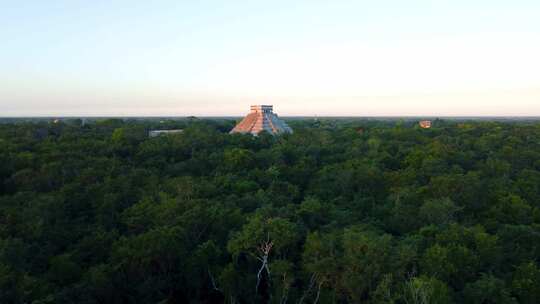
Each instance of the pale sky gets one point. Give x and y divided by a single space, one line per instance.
207 58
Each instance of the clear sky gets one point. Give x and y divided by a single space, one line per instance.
311 57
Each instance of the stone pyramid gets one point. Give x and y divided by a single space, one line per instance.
261 118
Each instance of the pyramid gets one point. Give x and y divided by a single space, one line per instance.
261 118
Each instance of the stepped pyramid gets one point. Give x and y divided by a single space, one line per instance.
261 118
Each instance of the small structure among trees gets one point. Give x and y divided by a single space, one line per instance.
155 133
261 119
425 124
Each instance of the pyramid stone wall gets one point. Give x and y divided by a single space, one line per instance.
261 118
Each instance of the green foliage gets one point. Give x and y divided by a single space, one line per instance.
526 283
424 290
439 211
281 232
487 289
341 211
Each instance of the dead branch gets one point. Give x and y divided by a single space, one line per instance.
264 249
308 291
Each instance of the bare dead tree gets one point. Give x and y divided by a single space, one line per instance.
285 292
308 290
213 281
318 292
264 250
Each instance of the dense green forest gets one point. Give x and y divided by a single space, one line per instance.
341 211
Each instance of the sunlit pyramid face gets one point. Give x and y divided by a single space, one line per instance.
261 118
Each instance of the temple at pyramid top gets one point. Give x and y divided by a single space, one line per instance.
261 118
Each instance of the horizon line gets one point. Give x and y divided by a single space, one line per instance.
283 116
